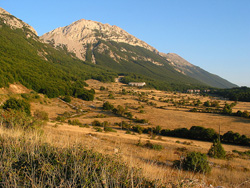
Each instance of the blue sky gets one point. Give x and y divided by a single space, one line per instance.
212 34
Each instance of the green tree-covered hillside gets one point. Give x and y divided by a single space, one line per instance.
38 66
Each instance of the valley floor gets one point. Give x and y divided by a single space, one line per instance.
158 108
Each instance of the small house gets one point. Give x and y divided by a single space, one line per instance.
138 84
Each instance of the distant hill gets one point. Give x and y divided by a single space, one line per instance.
196 72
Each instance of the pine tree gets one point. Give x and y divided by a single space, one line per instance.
217 150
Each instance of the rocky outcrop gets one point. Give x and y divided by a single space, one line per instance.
14 22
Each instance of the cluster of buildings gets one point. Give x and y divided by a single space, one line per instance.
137 84
197 91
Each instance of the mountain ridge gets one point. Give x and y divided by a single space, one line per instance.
99 47
196 72
83 32
83 38
14 22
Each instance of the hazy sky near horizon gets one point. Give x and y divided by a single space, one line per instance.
212 34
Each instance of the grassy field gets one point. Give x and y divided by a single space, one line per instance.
159 108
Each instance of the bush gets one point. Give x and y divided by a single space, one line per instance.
66 99
216 150
109 129
153 146
102 88
98 129
107 106
74 122
13 119
194 161
111 96
96 123
41 115
193 110
17 104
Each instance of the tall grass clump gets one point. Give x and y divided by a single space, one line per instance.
26 161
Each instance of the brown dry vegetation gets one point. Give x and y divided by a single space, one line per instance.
155 165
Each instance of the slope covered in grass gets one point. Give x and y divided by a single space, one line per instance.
26 163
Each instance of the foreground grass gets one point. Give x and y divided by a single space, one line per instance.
28 161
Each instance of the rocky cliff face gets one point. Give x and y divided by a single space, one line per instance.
14 22
76 36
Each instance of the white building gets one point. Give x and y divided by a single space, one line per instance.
138 84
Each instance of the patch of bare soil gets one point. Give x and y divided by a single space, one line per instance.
14 89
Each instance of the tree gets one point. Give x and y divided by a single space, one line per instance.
227 109
216 150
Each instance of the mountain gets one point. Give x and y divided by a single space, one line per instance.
114 48
79 34
15 23
196 72
80 51
25 59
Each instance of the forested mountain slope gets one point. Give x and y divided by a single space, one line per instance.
24 59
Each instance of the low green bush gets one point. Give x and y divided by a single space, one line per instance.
109 129
194 161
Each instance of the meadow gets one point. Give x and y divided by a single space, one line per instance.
129 148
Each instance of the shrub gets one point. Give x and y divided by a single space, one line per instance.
194 161
17 104
109 129
13 119
141 121
41 115
96 123
111 96
128 132
66 99
98 129
206 104
193 110
107 106
216 150
102 88
74 122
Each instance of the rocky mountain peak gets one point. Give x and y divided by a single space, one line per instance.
77 35
14 22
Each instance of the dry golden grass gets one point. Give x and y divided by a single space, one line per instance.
174 117
154 164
